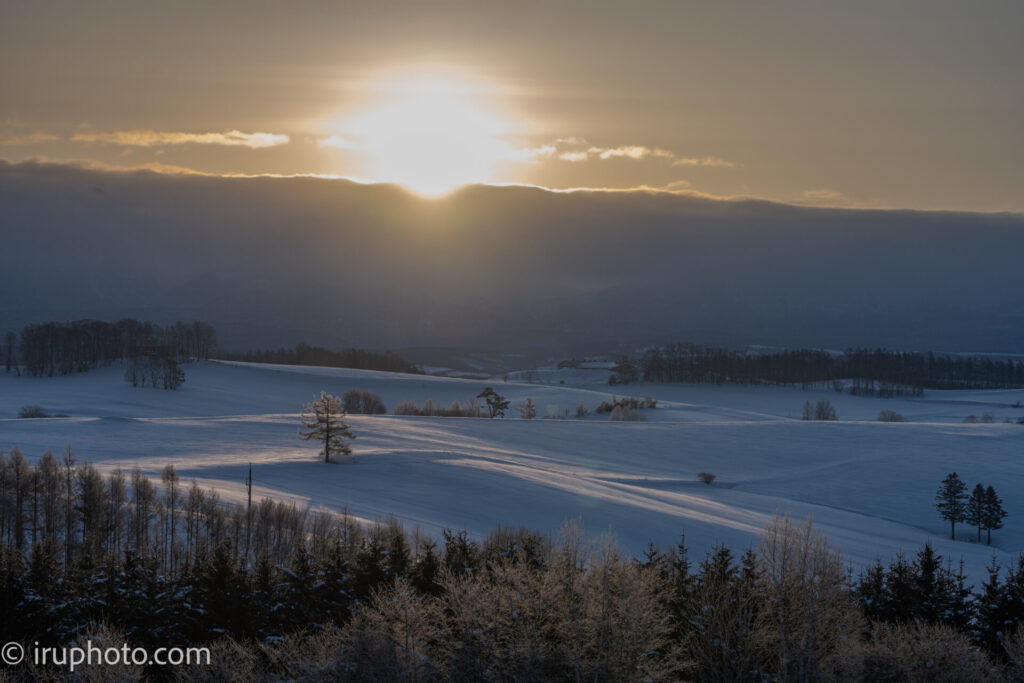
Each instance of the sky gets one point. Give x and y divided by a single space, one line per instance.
914 104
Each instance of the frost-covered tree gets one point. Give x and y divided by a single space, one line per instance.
951 501
993 512
322 421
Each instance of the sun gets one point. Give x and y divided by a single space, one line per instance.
430 135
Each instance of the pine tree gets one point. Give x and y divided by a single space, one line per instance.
950 500
323 422
975 512
992 512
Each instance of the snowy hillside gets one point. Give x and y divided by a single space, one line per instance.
869 485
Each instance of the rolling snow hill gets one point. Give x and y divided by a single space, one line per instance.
868 485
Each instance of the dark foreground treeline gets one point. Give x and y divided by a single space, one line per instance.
282 593
303 354
873 371
48 349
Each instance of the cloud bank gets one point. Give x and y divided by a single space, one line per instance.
153 138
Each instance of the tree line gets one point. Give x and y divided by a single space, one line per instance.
877 371
62 348
283 592
304 354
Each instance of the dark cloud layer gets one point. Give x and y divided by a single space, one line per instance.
278 260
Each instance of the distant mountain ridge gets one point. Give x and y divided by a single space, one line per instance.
272 261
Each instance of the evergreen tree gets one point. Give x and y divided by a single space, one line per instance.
975 511
950 500
992 512
322 420
426 571
991 609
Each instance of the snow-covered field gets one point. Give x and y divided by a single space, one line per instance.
868 485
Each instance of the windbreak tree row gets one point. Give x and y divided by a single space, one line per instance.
54 348
880 372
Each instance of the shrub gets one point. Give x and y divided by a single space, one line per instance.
31 410
706 477
626 402
912 652
890 416
971 419
581 411
988 417
625 414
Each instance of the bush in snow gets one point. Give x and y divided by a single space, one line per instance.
890 416
32 411
625 414
706 477
626 402
988 417
971 419
908 652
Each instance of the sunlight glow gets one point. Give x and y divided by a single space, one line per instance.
430 135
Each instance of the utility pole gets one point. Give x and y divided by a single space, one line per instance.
248 513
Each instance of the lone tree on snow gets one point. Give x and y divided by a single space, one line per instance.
528 409
322 420
951 500
496 403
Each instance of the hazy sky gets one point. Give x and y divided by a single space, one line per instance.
897 104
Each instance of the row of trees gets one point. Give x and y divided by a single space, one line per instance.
821 410
160 371
877 371
983 508
284 593
54 348
304 354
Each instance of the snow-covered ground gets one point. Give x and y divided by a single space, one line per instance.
868 485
